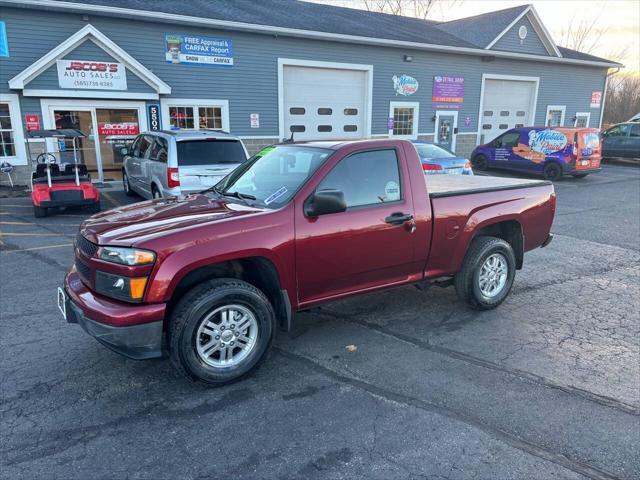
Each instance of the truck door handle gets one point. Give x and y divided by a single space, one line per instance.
398 218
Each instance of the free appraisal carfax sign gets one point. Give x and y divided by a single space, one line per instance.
91 75
198 50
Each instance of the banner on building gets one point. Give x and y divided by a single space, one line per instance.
198 50
447 89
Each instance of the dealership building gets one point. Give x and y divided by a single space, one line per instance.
264 70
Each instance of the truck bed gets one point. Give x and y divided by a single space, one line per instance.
450 185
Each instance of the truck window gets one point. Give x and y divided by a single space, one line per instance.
366 178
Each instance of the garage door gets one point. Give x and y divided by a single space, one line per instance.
507 104
324 103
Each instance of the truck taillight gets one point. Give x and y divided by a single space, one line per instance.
430 167
575 149
173 177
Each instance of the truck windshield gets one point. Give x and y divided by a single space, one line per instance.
209 151
274 174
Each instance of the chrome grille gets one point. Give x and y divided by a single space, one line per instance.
85 246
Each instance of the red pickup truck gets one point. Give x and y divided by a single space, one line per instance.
208 278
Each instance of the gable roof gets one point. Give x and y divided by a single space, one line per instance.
481 30
325 22
88 33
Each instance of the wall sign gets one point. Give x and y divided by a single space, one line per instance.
404 85
153 114
118 128
4 44
447 89
254 119
31 121
596 99
91 75
198 50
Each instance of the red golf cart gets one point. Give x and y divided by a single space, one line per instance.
54 184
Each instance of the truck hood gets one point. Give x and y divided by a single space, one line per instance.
144 221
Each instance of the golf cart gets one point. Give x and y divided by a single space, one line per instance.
54 184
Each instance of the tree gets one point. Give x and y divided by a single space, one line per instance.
406 8
623 99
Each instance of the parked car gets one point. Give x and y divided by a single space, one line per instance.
635 118
207 279
437 159
550 151
173 162
622 140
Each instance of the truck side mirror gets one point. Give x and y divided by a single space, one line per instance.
124 151
324 202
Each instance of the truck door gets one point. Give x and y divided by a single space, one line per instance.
371 243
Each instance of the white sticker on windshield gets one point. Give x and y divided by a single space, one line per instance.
392 191
275 195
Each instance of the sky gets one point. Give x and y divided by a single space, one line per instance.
620 20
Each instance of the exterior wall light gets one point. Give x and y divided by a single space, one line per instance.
408 58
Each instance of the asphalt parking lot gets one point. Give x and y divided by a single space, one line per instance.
547 386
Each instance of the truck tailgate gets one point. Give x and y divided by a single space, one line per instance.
450 185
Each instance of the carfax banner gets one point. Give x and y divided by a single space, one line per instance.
198 50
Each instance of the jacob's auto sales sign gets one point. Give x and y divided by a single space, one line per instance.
91 75
118 128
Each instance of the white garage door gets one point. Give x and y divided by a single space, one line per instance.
324 103
507 104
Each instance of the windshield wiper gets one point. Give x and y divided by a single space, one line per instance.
238 195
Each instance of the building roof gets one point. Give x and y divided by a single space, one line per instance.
481 30
472 33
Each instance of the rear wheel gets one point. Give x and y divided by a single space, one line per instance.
39 212
221 330
480 162
126 185
552 171
155 193
487 273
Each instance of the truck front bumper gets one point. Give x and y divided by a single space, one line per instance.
134 331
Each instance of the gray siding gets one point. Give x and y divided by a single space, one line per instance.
48 79
251 84
510 42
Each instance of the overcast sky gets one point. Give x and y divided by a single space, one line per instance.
620 18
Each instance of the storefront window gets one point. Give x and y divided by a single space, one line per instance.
7 144
117 128
181 117
210 117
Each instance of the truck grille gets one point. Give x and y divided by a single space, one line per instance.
85 246
83 269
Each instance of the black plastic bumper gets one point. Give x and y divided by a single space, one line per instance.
139 342
67 203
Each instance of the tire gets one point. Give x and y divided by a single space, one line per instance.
95 208
155 193
579 175
198 308
468 279
39 212
126 185
552 171
480 163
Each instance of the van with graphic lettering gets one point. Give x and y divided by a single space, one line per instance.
552 152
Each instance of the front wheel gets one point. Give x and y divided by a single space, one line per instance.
487 273
480 162
220 331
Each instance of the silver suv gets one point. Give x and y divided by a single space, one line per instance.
165 163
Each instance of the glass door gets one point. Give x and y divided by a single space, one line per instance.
117 128
85 147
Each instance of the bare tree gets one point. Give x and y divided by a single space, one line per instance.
407 8
623 99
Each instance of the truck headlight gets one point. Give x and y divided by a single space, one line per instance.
127 256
